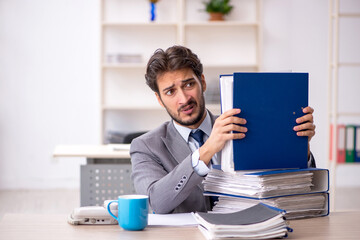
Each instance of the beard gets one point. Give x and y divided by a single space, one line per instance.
198 115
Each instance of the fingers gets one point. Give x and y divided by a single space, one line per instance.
308 117
228 122
229 113
305 126
234 120
308 109
228 127
308 133
234 128
305 130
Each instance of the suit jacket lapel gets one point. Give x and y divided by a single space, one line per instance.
213 118
176 145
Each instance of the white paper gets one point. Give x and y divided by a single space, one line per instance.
172 220
226 89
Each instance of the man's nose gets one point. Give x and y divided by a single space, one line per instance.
182 97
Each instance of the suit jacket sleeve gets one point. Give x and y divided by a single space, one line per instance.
171 184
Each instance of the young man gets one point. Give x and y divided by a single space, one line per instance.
170 162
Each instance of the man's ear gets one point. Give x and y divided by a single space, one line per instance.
203 82
159 99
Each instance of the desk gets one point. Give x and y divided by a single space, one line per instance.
93 151
339 225
106 174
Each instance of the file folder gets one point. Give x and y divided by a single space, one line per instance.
271 103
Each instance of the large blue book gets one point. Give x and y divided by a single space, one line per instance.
270 103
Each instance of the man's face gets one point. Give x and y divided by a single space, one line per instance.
181 94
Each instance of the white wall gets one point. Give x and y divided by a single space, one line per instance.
49 81
48 89
296 38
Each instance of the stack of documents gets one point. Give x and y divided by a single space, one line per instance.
257 222
296 206
301 192
259 184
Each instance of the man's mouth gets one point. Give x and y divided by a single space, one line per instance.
188 108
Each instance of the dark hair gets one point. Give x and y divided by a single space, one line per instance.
174 58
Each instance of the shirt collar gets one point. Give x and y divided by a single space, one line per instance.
205 126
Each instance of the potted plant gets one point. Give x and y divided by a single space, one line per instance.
217 9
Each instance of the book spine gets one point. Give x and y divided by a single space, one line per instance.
341 144
350 143
357 144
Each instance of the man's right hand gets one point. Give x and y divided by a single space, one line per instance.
226 127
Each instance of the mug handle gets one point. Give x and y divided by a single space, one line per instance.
108 208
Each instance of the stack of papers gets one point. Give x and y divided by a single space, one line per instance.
301 193
257 222
258 184
296 206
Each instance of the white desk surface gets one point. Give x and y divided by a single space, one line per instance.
339 225
93 151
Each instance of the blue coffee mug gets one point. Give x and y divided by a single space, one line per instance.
132 211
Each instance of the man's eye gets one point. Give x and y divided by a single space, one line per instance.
169 92
190 84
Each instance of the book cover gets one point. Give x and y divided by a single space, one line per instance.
271 103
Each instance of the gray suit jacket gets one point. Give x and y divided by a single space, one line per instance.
162 169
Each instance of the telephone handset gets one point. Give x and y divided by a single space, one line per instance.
91 215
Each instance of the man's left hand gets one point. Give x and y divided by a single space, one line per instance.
306 126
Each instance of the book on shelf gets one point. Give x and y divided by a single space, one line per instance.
357 144
257 222
350 143
301 192
340 143
347 143
271 103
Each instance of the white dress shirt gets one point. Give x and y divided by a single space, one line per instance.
206 126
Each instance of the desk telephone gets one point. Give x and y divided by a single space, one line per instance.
93 215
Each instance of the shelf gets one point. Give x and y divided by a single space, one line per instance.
221 24
186 24
345 65
138 24
143 65
128 39
337 39
123 65
346 114
348 164
353 15
129 108
158 107
212 65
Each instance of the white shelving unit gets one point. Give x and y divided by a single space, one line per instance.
127 103
344 61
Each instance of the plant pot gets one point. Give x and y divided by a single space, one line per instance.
216 16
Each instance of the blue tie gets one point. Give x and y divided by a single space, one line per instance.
198 135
